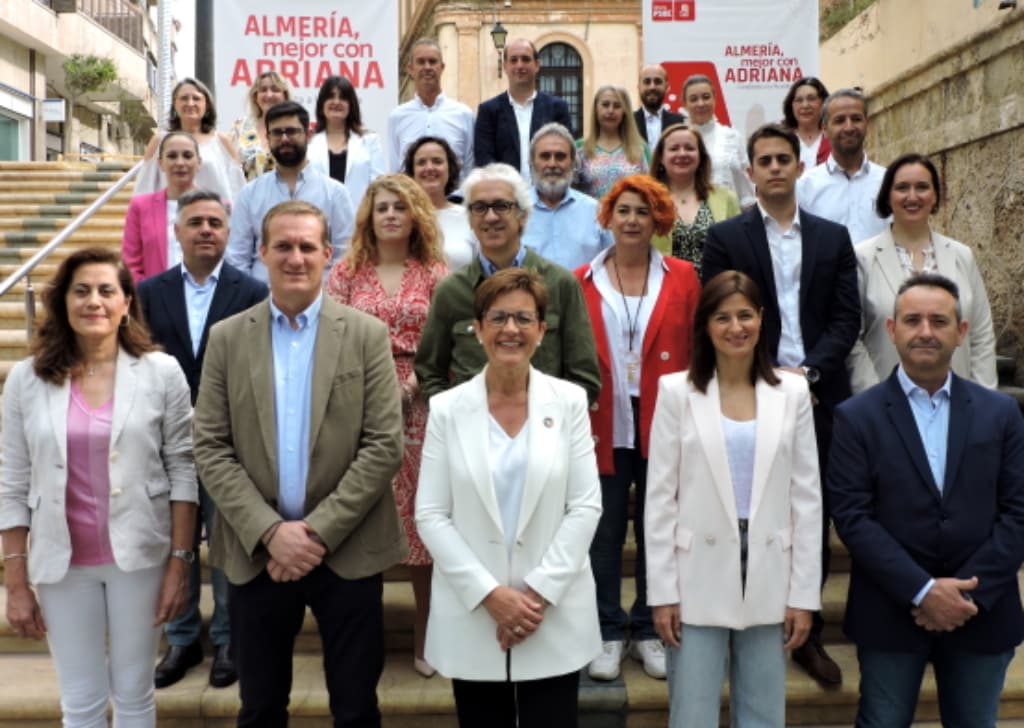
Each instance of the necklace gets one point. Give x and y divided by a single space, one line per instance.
632 322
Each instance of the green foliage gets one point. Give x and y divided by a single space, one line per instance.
85 74
841 13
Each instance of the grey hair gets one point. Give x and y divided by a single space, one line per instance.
430 43
198 195
929 280
500 172
553 128
843 93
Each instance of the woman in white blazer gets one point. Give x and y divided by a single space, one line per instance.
507 504
97 467
911 192
341 147
733 516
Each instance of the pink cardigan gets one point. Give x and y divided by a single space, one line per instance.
144 243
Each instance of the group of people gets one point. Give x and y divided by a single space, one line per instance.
361 367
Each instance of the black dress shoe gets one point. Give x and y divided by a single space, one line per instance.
816 662
222 671
176 663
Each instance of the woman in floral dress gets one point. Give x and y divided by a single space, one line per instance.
392 266
613 148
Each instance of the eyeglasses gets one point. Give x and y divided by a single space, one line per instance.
288 131
497 319
501 207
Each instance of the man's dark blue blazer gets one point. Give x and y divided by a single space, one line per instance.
163 304
901 529
829 301
496 134
668 118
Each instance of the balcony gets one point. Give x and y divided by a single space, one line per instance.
122 18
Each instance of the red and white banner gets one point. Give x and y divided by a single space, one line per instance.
752 51
306 41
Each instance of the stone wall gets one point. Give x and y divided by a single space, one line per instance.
963 105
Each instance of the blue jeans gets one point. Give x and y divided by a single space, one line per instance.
606 550
969 684
757 676
185 630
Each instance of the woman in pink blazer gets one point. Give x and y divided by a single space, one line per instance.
733 516
148 244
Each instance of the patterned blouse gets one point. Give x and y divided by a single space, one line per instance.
255 159
688 240
907 260
599 173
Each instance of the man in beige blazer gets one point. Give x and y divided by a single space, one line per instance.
298 434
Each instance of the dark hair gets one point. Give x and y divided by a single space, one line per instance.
454 168
655 194
701 176
287 108
200 195
703 360
171 135
882 205
354 122
506 281
209 121
55 346
773 131
930 280
787 103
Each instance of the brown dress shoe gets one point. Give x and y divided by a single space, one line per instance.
816 663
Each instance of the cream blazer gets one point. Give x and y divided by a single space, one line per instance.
365 161
459 521
691 528
879 276
150 462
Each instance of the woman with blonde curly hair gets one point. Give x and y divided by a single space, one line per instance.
394 263
613 148
249 135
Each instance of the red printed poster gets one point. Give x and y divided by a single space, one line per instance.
751 50
306 41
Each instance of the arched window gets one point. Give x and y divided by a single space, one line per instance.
561 74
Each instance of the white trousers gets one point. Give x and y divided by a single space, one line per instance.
93 607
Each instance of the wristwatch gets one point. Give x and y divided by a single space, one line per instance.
812 374
185 555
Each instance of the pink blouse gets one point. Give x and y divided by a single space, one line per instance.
88 491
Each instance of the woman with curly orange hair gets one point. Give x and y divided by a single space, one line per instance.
641 306
392 266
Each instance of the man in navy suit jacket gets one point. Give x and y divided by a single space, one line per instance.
180 306
652 115
926 482
807 273
498 135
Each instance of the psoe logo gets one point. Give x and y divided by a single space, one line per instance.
663 11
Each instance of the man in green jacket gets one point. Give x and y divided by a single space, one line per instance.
498 202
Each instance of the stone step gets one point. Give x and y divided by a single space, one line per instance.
82 238
29 696
60 176
113 209
31 167
50 225
58 197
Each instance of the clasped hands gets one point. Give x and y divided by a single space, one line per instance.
295 550
947 605
518 614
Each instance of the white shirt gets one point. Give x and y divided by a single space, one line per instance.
787 261
197 301
827 192
508 458
729 160
173 246
449 119
809 153
740 442
616 327
653 122
524 117
460 245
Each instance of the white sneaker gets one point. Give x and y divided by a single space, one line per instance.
606 665
652 654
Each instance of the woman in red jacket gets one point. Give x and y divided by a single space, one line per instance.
641 306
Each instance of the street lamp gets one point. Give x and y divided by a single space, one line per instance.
498 35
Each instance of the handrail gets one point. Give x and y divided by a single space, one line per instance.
29 265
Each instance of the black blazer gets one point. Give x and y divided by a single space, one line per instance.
902 530
668 118
496 134
163 304
829 301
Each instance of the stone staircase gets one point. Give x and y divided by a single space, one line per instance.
36 201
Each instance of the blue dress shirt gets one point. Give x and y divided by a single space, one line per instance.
293 376
197 302
568 234
490 268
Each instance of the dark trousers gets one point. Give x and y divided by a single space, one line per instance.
266 616
550 702
823 434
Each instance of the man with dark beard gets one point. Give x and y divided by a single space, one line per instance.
653 117
563 227
292 179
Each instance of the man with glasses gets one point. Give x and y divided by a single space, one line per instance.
449 353
292 179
